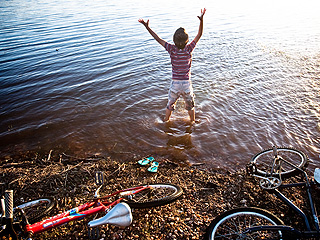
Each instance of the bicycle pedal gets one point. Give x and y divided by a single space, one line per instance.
94 233
99 178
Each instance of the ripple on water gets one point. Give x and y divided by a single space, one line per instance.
87 77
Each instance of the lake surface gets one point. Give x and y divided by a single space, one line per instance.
84 77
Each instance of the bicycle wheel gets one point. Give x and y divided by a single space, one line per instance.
158 195
233 223
264 160
36 209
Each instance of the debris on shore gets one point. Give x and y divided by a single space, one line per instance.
206 193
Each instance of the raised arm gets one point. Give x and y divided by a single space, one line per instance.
153 34
196 39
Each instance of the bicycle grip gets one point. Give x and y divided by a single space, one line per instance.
8 195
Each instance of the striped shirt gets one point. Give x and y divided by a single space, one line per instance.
181 60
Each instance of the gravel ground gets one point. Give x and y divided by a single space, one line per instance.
207 192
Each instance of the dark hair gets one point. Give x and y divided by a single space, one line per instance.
180 38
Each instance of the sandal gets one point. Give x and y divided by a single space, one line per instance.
154 167
146 161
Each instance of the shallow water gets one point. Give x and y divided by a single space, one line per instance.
85 77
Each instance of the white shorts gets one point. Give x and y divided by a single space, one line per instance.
180 88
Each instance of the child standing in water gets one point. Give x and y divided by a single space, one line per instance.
181 58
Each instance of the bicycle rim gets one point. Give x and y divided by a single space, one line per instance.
158 195
233 224
264 160
36 209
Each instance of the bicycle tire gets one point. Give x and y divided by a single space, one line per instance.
264 159
232 224
160 194
36 209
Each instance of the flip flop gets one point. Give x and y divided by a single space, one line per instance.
154 167
146 161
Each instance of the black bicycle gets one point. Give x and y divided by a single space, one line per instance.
271 166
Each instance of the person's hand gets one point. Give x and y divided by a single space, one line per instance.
202 13
146 24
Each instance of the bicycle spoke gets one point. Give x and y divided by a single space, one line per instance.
148 194
154 195
140 196
234 227
265 161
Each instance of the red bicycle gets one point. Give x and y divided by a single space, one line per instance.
23 221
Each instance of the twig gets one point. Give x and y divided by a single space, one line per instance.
71 167
197 164
17 179
207 189
83 159
12 165
170 162
49 156
65 181
116 170
115 144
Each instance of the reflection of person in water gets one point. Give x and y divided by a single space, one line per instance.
183 142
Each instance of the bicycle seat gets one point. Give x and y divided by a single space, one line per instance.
317 175
120 215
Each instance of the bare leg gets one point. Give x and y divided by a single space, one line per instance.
192 116
168 115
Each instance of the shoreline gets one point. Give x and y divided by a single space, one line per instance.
206 193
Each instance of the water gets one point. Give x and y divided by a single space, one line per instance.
85 77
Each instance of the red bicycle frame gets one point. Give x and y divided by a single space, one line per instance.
101 204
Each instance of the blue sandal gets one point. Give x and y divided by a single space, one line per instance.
154 167
146 161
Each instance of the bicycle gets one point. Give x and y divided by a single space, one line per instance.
23 221
271 166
